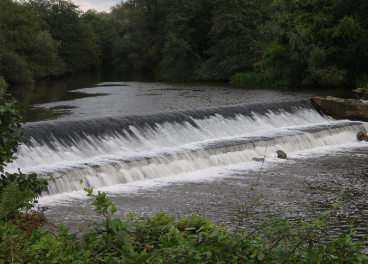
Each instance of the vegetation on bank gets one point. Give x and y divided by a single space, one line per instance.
272 42
319 43
26 236
3 82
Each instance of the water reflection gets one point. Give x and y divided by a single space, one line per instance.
111 93
31 96
47 91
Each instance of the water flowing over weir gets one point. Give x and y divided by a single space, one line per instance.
114 150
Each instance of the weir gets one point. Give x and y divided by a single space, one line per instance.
115 150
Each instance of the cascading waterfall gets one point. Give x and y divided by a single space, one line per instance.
114 150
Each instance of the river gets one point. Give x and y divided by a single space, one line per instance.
185 148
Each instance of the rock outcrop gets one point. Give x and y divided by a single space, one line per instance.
361 93
362 136
281 154
258 159
342 108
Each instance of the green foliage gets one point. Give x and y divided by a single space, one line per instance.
107 35
10 136
77 43
362 81
27 49
186 39
3 84
190 40
20 184
140 34
12 200
280 42
162 239
320 43
14 68
48 38
25 182
236 39
44 59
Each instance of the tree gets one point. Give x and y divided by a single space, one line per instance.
77 43
27 49
321 43
186 38
235 40
106 32
140 28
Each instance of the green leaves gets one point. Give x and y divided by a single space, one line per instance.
12 199
27 187
28 50
9 122
322 45
161 239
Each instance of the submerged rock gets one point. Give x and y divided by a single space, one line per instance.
258 159
342 108
281 154
362 136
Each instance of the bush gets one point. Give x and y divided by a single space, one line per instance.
162 239
14 68
10 135
24 193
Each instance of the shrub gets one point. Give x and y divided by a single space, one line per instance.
10 135
162 239
22 195
14 68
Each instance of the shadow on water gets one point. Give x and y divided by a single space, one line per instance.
61 89
46 91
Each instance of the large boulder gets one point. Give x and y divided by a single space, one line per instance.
342 108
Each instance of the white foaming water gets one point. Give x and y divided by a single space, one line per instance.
209 174
172 149
166 137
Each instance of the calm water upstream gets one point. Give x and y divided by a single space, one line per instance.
184 148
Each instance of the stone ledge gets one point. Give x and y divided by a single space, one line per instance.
342 108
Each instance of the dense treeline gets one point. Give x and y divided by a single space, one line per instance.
318 43
274 42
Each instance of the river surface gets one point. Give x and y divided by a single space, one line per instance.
185 148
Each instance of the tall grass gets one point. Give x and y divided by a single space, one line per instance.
269 76
244 78
362 81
